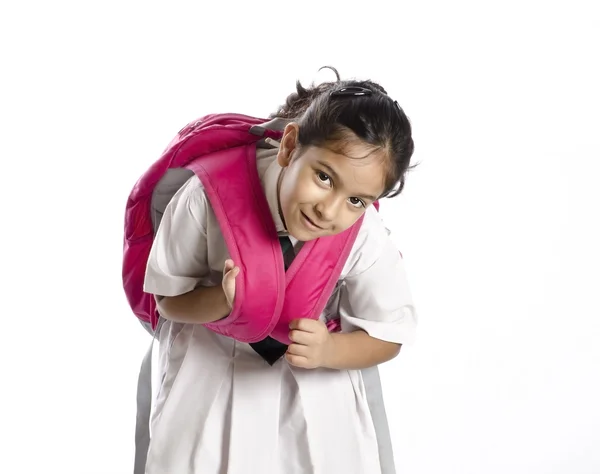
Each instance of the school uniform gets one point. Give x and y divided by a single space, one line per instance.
220 408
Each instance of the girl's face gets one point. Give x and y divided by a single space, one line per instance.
322 192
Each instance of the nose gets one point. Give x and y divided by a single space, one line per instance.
326 210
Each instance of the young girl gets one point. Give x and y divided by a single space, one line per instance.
221 408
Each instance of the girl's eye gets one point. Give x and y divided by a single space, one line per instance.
323 177
356 202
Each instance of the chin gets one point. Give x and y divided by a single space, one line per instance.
303 235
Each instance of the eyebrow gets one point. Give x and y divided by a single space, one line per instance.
335 176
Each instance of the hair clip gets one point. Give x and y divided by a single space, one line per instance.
354 91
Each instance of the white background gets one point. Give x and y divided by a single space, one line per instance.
498 225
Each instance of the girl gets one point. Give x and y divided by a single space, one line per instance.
222 409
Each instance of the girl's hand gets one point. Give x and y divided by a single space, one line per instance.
229 273
312 344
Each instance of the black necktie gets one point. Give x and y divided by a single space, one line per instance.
270 349
288 251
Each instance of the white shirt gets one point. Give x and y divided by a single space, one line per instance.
372 294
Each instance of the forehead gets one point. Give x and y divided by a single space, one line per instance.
359 168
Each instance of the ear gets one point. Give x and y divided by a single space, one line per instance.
289 143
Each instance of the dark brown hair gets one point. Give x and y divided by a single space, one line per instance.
327 120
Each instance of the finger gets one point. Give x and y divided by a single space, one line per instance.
231 274
306 325
229 265
300 337
297 361
298 350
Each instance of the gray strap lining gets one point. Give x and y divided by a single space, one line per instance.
144 405
376 404
142 421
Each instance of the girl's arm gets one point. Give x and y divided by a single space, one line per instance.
374 305
358 350
177 271
202 305
313 346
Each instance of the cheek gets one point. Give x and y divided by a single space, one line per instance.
298 187
347 220
288 188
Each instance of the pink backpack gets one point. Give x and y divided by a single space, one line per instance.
221 151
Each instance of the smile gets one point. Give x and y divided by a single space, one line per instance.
310 224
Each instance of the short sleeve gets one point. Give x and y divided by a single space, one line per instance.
178 259
378 299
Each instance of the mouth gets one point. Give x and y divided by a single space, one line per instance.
310 224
